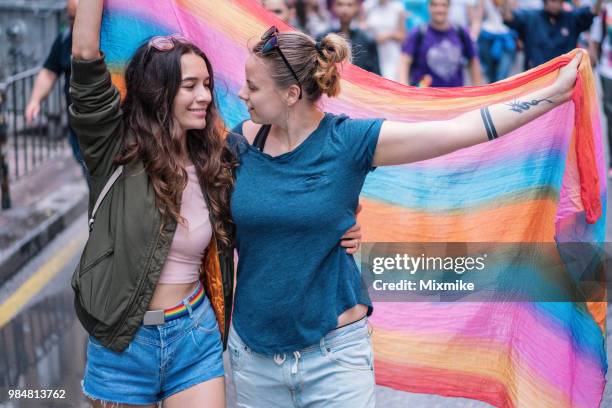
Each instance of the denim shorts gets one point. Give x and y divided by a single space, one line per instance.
338 372
159 362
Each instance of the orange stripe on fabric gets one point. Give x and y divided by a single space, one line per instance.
119 82
598 310
585 148
508 223
476 359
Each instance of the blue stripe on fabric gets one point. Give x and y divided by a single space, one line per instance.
122 33
436 189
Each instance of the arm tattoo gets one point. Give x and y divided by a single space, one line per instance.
488 123
520 107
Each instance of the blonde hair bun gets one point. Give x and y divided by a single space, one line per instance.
334 50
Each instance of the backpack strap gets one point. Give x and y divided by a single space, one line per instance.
261 137
103 194
418 42
465 40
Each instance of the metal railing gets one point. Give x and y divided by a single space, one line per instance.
25 147
29 337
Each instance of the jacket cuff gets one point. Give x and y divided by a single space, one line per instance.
88 72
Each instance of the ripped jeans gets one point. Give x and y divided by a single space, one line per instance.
336 373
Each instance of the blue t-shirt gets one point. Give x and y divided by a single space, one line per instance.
546 37
290 211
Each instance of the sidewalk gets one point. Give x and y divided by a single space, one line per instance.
44 203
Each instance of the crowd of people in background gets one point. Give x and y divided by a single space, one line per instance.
451 43
442 42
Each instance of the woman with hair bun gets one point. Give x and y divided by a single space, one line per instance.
299 334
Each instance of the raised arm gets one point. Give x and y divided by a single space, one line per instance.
95 113
86 31
401 142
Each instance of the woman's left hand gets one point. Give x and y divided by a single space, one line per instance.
351 240
567 77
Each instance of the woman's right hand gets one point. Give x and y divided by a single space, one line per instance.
86 30
31 112
567 77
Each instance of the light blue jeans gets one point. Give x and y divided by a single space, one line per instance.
336 373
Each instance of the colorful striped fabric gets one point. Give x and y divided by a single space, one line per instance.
545 182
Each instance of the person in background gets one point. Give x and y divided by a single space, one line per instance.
496 43
312 17
434 55
466 14
385 21
600 49
363 47
549 32
283 9
56 64
529 4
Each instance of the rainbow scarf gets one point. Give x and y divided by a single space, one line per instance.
545 182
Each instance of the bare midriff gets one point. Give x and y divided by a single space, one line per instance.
352 315
167 295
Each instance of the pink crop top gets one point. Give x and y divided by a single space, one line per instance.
190 240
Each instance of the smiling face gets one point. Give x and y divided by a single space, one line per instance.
261 95
193 96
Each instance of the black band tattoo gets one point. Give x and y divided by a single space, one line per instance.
488 123
520 107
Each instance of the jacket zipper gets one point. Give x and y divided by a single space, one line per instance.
135 295
100 258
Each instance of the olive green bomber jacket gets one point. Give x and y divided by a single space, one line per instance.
128 245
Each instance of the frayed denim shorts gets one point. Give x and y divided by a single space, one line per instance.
160 361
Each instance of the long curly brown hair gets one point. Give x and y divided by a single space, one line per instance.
152 81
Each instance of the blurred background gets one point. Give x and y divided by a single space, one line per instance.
43 187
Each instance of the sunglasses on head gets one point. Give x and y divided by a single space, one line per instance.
166 42
270 39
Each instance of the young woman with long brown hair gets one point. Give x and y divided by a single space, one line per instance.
155 281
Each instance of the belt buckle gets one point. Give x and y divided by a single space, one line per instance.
153 317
